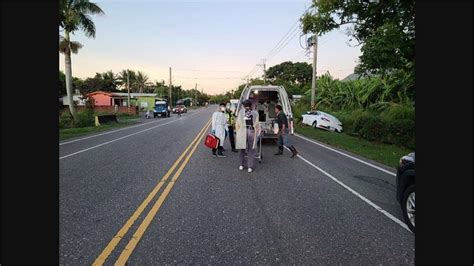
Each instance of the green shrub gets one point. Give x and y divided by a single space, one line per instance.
402 133
398 112
85 119
357 120
65 119
371 128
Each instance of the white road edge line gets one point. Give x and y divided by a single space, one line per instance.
378 208
108 132
113 131
347 155
126 136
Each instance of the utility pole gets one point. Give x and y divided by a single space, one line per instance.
195 94
264 71
314 42
128 89
170 92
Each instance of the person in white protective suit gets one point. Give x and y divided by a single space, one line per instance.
219 129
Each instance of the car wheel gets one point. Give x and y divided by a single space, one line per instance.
315 124
408 207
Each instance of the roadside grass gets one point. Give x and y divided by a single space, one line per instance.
67 133
383 153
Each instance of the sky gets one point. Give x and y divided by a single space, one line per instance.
214 44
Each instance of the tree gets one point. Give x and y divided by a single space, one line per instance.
141 81
109 80
384 29
74 15
293 76
122 79
62 83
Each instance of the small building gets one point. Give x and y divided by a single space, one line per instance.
296 98
77 98
145 101
186 101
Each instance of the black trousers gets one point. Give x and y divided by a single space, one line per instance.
219 150
231 137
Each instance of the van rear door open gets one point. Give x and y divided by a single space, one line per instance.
264 99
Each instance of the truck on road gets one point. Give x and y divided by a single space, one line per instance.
161 108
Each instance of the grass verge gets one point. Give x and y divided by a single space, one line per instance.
383 153
67 133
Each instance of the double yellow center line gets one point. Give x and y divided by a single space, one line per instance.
125 254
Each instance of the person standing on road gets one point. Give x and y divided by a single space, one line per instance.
230 124
219 129
283 132
248 129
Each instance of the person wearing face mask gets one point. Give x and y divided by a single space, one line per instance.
219 129
283 132
247 128
230 124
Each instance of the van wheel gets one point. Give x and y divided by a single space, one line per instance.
408 207
315 124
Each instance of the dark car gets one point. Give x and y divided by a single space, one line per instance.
406 189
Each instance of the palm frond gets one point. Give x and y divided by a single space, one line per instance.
71 46
87 25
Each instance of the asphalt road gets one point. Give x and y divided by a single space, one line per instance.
322 207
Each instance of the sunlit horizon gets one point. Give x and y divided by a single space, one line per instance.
212 44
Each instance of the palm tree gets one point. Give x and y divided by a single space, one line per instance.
110 79
141 81
74 15
122 79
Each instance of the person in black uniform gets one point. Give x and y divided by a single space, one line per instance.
283 132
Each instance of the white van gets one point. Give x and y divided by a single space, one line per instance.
264 99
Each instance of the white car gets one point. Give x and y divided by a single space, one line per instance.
318 119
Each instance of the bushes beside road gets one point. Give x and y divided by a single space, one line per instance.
376 109
86 118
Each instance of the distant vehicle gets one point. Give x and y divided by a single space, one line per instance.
406 189
161 109
264 98
233 105
180 109
318 119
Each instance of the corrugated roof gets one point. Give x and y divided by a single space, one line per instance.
135 94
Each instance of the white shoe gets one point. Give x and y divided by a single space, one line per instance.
250 170
241 168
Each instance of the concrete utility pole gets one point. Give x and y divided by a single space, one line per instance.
128 89
264 71
195 94
170 92
314 42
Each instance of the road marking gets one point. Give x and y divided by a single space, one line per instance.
123 231
378 208
114 140
347 155
113 131
108 132
128 250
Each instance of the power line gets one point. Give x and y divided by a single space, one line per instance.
284 45
278 47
